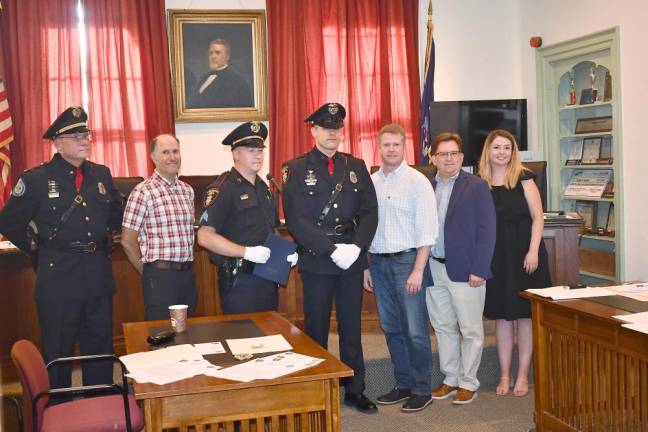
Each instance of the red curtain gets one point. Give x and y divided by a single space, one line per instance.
361 53
129 81
43 75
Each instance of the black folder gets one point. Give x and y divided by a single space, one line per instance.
277 268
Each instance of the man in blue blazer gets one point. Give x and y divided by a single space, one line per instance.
460 263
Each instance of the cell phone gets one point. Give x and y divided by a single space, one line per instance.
160 337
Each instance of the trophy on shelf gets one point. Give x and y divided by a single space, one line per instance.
607 91
588 96
572 90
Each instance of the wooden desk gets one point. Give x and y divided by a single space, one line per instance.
591 374
308 400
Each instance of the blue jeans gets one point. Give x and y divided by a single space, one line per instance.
404 319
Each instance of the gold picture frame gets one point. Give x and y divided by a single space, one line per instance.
209 85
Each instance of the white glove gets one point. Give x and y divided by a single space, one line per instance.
257 254
292 259
345 255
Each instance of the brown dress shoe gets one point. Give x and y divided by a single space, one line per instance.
464 396
444 392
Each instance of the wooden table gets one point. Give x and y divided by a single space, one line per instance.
308 400
591 374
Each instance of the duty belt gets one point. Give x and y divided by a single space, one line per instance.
339 230
76 246
237 265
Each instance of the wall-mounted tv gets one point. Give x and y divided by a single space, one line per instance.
473 120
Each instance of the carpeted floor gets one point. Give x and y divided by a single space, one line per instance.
488 413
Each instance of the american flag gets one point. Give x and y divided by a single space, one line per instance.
6 136
428 91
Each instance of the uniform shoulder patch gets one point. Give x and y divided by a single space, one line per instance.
19 189
210 195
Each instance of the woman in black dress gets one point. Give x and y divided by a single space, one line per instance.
520 259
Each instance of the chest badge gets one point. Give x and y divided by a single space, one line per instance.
52 189
102 188
353 177
244 197
311 178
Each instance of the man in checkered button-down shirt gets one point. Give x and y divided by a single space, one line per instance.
158 233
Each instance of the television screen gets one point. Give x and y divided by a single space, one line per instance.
473 120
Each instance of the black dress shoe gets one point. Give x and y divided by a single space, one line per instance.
416 403
360 402
394 396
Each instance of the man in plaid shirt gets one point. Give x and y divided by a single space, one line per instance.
158 233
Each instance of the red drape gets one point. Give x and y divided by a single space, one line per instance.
129 81
361 53
43 74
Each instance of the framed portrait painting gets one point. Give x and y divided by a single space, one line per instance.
218 64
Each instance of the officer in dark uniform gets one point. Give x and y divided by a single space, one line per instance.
239 212
331 210
71 208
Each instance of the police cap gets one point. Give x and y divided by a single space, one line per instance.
250 134
329 116
72 120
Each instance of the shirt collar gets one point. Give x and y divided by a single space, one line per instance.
396 173
161 178
438 179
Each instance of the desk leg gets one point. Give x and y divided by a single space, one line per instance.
539 364
153 415
333 421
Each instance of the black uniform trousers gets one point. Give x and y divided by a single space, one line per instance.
62 321
165 287
319 291
247 293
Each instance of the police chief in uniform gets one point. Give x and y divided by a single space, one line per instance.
239 213
71 207
331 210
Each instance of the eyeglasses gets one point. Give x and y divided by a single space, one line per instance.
451 154
78 137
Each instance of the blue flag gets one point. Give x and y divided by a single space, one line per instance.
426 99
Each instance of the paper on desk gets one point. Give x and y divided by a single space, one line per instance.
633 318
210 348
258 345
166 365
643 327
564 293
269 367
166 373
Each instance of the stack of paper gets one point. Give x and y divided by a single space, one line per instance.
635 321
167 364
564 293
269 367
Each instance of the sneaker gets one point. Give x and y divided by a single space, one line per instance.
464 396
394 396
444 392
416 403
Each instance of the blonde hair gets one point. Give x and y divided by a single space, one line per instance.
392 128
514 169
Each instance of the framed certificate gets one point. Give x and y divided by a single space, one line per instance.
587 210
605 156
594 124
591 150
575 152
